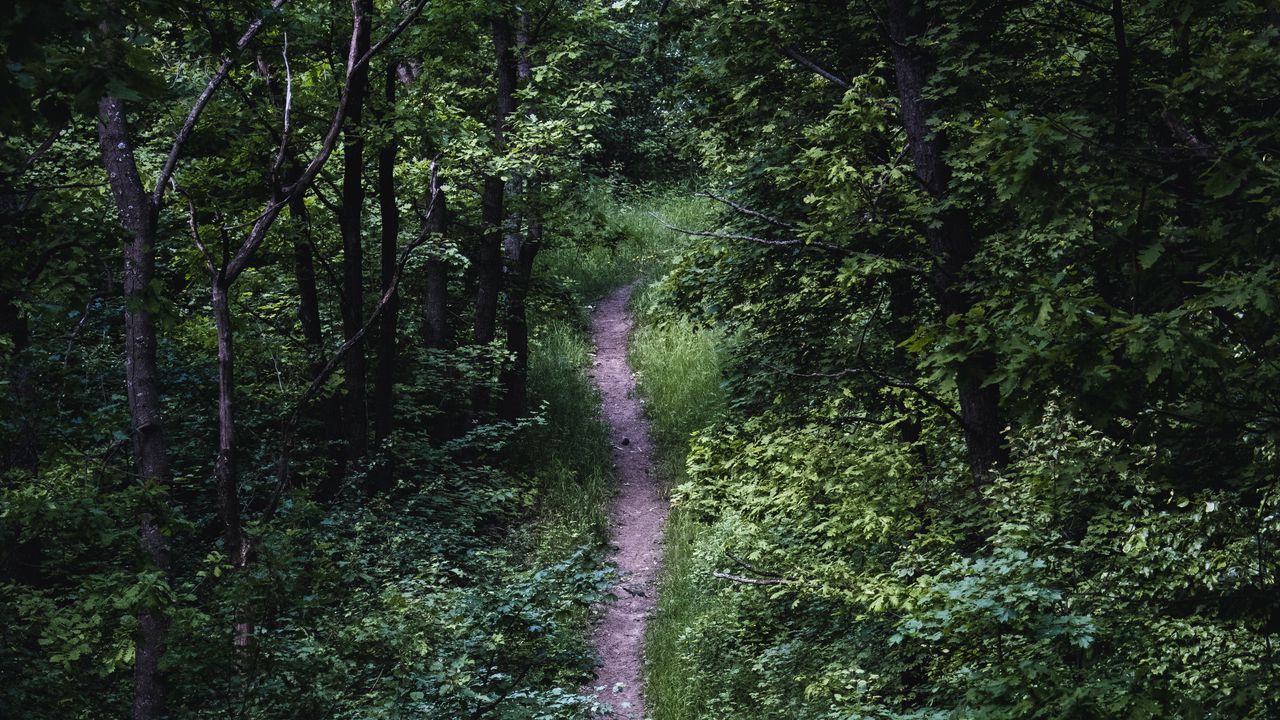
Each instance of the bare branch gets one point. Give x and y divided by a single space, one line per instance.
288 105
750 580
752 238
209 264
39 152
748 211
927 396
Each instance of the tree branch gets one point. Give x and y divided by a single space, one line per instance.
825 73
752 238
748 211
750 580
224 69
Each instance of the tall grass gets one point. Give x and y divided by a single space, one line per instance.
678 368
569 456
626 240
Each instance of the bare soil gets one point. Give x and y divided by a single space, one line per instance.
636 516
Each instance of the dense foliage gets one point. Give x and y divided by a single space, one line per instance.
1077 241
964 364
311 367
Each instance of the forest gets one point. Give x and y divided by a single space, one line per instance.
649 359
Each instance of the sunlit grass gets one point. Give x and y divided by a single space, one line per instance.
678 369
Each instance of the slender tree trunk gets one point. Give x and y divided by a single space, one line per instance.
350 219
304 273
515 380
384 382
435 312
489 262
304 270
224 467
151 454
1124 61
489 255
951 236
522 247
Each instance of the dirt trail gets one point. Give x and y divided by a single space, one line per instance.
636 517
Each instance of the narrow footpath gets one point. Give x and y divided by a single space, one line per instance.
635 518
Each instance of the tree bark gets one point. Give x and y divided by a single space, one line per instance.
1124 62
350 218
138 216
515 380
384 382
522 247
435 312
224 466
489 255
952 240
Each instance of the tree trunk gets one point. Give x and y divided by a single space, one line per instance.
435 313
515 381
355 418
151 454
489 255
1124 61
521 250
951 237
384 382
224 466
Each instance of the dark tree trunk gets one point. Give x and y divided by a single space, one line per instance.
151 454
488 259
355 419
489 254
515 380
304 273
1124 62
521 251
435 312
952 240
384 382
304 269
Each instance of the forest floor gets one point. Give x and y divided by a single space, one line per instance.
636 516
